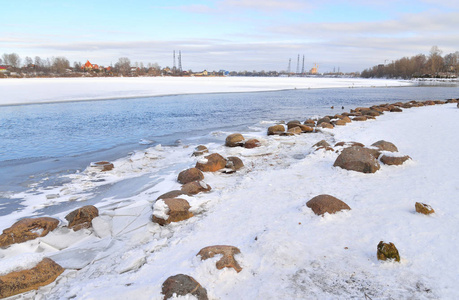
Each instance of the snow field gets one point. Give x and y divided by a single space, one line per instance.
287 252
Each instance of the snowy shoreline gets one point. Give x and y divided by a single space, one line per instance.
286 250
54 90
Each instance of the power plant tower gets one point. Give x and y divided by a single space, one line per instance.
302 68
289 65
180 62
298 65
174 67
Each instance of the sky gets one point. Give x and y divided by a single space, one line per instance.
230 34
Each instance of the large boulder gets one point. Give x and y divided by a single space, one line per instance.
211 163
182 285
252 143
305 128
394 160
227 252
27 229
195 187
189 175
166 211
387 251
293 123
385 146
326 204
234 140
326 125
44 273
357 159
359 118
82 217
234 163
295 130
276 129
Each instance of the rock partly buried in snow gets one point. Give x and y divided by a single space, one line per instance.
394 160
166 211
387 251
252 143
326 204
227 261
44 273
357 159
200 150
190 175
103 165
27 229
385 146
234 140
182 285
172 194
322 143
234 163
359 118
423 208
82 217
195 187
310 122
306 129
276 129
326 125
211 163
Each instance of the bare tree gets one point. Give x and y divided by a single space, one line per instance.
27 61
435 61
123 66
60 64
12 59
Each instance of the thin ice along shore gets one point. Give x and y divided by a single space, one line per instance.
356 204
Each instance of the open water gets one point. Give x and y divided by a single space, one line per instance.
49 140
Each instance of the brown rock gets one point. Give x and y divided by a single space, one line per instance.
324 119
374 152
326 125
234 140
340 144
234 163
340 122
295 130
27 229
396 109
326 149
326 204
370 112
306 129
387 251
227 261
195 187
293 124
385 146
322 143
214 162
310 122
172 194
394 160
276 129
423 208
182 285
346 119
357 159
189 175
252 143
82 217
359 118
178 211
103 166
200 150
44 273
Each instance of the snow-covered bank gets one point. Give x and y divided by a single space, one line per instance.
43 90
287 252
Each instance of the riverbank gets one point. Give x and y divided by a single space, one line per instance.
51 90
286 250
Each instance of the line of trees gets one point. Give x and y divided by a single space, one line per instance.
60 67
419 66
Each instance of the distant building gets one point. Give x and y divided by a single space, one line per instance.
314 69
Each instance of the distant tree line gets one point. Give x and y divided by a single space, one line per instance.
420 66
11 65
